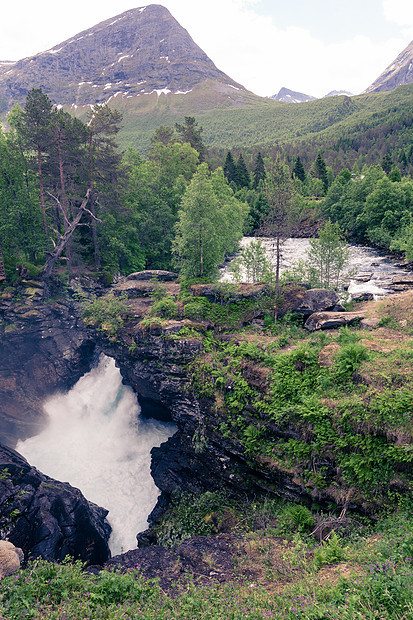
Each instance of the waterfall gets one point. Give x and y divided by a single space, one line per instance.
96 440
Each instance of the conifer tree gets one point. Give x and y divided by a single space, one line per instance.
190 132
259 173
320 171
230 169
243 177
35 130
298 170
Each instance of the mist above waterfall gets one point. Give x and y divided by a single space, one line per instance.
96 440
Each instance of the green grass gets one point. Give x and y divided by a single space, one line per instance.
366 576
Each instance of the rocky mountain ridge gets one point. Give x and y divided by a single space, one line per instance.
135 53
399 72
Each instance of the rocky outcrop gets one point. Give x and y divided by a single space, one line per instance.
304 301
332 320
53 518
44 348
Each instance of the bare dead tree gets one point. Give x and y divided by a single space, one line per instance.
70 228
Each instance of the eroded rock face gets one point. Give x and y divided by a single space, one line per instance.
44 348
53 519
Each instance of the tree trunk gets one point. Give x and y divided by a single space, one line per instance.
39 165
64 239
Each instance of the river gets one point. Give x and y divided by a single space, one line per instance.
370 271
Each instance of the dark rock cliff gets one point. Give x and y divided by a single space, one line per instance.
44 348
53 518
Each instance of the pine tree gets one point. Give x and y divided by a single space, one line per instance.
259 173
230 169
190 132
298 170
320 171
243 177
35 129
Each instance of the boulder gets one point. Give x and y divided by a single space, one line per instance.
363 277
10 558
303 301
403 279
358 297
231 292
52 519
369 324
153 274
331 320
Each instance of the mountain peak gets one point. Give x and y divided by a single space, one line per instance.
137 52
399 72
291 96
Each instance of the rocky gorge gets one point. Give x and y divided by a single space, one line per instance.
45 346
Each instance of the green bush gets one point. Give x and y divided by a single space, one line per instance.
106 314
348 360
165 307
330 552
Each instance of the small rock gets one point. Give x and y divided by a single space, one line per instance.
369 324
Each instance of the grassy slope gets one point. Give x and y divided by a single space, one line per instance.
231 118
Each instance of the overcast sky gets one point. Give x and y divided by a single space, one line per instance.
311 46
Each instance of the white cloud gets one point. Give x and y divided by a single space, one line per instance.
399 12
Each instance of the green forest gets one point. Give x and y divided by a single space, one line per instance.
72 199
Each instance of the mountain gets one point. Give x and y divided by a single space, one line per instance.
291 96
398 73
136 53
338 93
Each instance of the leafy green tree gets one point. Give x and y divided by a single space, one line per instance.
105 173
387 163
253 265
328 256
207 226
259 173
21 222
190 132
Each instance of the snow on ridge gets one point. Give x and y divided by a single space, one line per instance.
122 57
183 92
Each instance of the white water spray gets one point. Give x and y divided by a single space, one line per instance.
96 441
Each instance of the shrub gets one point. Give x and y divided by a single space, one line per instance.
106 314
348 360
165 307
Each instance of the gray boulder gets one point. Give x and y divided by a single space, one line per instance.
331 320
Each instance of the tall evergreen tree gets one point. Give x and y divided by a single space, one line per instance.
104 160
230 169
190 132
259 173
243 177
298 170
35 129
320 171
